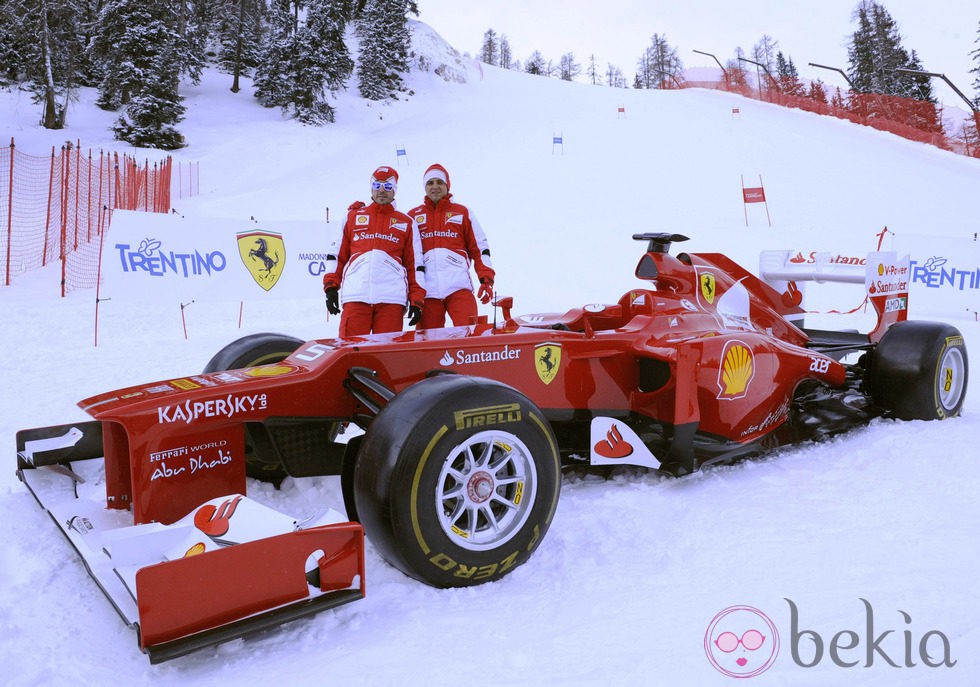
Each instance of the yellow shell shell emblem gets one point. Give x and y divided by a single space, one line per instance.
736 371
270 370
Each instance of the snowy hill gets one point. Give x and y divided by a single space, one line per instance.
634 568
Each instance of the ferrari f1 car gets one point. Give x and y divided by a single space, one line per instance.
450 443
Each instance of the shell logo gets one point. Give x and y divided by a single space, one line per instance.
736 371
270 370
195 550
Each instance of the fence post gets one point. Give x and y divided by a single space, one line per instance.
47 216
65 167
10 210
78 181
88 199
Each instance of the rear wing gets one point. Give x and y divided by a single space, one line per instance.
884 275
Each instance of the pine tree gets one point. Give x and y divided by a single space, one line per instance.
817 91
194 21
271 87
385 43
137 51
13 44
240 30
659 65
303 58
876 54
861 54
41 47
837 102
490 49
787 75
320 62
535 64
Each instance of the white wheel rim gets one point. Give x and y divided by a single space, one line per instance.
951 378
486 490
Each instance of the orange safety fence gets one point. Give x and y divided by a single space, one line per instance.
57 208
916 120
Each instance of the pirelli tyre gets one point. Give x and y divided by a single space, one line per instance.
919 371
253 350
457 480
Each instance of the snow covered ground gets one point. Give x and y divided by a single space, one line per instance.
636 567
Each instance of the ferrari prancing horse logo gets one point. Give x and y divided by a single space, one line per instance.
547 360
264 255
708 286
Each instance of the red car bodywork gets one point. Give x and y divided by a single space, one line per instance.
677 355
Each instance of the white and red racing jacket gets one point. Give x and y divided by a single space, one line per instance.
375 257
451 240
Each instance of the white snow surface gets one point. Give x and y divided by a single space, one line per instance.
634 567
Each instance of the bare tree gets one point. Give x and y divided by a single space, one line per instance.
568 68
506 55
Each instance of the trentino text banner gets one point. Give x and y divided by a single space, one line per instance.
149 257
944 276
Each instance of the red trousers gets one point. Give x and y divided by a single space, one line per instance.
461 306
358 319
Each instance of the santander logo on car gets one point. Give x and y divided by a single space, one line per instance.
463 357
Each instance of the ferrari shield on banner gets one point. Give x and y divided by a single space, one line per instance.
264 255
154 257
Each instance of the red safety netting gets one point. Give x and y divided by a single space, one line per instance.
57 208
916 120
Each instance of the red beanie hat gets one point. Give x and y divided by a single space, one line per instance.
435 172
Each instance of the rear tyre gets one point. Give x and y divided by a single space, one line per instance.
457 480
251 351
920 370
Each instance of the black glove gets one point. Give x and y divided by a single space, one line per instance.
333 300
414 315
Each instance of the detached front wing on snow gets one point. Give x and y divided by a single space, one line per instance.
229 567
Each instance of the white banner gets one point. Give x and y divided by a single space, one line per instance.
163 258
945 274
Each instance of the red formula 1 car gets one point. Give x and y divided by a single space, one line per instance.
450 443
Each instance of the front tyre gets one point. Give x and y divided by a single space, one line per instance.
253 350
920 370
457 480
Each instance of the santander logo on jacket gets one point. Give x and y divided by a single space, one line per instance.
376 257
452 239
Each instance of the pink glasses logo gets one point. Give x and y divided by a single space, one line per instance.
741 641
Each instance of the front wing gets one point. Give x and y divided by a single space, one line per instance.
229 567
